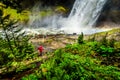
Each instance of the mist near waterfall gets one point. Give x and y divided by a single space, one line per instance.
82 18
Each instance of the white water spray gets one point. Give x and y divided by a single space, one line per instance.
86 12
81 19
83 16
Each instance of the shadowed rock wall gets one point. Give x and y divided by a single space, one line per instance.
111 12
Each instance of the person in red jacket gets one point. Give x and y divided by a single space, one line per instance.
40 49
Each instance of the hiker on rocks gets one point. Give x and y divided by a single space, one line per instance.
40 49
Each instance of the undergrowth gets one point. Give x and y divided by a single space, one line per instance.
80 61
67 66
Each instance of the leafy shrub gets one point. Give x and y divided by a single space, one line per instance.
106 51
66 66
30 77
82 50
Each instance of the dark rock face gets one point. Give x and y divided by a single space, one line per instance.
111 12
65 3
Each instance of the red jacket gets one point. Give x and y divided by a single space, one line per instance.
40 48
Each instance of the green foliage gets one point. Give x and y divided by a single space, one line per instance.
117 47
80 38
93 38
111 42
93 47
14 44
76 62
24 67
104 47
30 77
66 66
22 17
60 9
105 51
104 40
82 49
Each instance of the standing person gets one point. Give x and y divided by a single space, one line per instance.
40 49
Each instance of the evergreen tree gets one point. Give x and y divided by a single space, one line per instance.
14 44
80 38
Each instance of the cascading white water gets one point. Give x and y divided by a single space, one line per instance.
81 19
83 15
86 12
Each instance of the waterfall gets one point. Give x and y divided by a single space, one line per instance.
87 11
83 15
82 18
